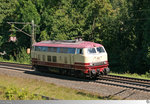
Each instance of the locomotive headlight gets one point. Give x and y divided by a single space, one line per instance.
91 64
105 62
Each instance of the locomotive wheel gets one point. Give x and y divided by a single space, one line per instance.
82 75
92 76
105 72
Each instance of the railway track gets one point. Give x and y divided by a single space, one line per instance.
16 65
127 82
112 80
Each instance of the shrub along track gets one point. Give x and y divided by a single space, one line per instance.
112 80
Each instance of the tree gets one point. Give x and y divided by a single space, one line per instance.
26 13
67 21
44 35
99 15
7 7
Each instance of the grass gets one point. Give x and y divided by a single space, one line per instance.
13 88
5 60
135 75
13 61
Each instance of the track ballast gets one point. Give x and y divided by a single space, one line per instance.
112 80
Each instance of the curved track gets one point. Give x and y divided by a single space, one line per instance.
112 80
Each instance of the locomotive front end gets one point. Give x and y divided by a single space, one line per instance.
98 61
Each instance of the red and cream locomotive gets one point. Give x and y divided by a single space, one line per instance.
72 57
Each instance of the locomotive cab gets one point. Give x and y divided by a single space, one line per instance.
95 61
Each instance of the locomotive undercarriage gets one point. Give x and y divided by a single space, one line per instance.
68 72
62 71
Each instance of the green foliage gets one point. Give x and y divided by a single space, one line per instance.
147 74
1 40
44 35
11 58
67 22
13 31
28 12
23 57
7 7
19 94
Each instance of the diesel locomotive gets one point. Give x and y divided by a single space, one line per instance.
72 57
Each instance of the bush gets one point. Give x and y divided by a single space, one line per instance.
23 57
19 94
147 74
11 58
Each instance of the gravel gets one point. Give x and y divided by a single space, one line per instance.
75 83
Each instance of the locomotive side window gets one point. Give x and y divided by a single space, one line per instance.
91 50
37 48
49 49
79 51
39 57
49 58
44 49
52 49
100 49
71 50
63 50
58 50
66 50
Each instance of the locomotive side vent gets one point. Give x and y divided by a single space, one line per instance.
39 56
54 59
43 57
49 58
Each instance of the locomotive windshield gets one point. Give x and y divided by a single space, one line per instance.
95 50
91 50
100 49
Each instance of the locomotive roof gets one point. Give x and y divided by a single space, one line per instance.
68 43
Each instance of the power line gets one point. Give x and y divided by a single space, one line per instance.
21 30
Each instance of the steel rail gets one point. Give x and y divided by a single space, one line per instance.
128 78
16 65
120 81
127 82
